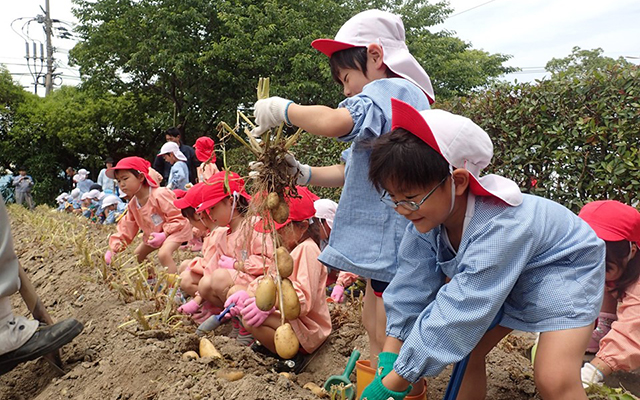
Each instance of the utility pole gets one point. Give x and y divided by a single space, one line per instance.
48 81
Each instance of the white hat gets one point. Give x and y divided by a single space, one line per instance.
83 172
75 193
326 209
387 30
93 194
461 142
77 178
85 196
110 200
62 197
172 147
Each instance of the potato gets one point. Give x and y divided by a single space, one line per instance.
284 261
207 349
315 389
281 213
266 293
273 200
287 344
291 303
190 356
230 375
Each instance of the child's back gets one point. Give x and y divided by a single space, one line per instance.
366 232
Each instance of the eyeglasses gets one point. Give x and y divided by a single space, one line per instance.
408 204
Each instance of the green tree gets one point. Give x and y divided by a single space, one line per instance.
582 62
204 57
78 127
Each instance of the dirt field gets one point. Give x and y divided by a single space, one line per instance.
63 256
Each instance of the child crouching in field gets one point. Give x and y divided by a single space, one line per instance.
301 238
234 255
529 256
151 210
616 339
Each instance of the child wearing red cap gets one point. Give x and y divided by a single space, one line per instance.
234 254
616 339
206 154
370 60
151 210
301 237
522 261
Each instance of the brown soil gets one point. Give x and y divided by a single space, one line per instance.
62 255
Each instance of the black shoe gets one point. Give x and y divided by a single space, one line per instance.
296 365
46 339
260 349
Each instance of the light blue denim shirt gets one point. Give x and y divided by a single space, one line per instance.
366 233
539 260
179 176
108 184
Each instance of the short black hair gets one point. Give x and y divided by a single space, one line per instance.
188 212
617 252
96 186
407 161
353 58
173 131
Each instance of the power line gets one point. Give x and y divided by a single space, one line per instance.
469 9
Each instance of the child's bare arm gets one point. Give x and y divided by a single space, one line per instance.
331 176
321 120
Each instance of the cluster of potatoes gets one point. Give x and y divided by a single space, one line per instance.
267 294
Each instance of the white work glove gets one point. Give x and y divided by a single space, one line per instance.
591 375
270 113
294 166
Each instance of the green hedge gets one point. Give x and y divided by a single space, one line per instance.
574 136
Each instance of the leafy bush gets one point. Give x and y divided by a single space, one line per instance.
572 138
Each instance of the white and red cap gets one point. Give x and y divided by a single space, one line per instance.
461 142
387 30
172 147
135 163
326 209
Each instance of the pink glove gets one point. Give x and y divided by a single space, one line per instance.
252 315
156 239
239 298
107 257
337 294
226 262
189 308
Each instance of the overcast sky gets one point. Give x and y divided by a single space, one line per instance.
532 31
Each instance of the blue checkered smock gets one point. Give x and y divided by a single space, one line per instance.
366 233
538 259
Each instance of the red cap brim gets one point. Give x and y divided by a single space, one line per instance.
260 226
406 117
182 203
330 46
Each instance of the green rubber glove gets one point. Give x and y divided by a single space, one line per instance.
377 391
385 363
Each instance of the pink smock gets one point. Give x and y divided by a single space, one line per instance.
620 348
197 265
313 326
206 171
345 279
159 214
245 244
